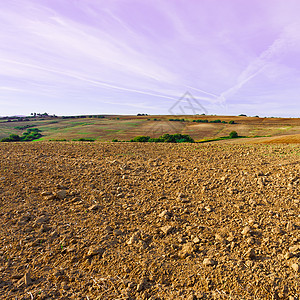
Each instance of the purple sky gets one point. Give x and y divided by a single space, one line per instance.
135 56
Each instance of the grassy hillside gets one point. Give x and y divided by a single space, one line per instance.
127 127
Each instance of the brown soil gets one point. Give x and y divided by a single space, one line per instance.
149 221
287 139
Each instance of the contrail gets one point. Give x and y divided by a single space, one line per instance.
286 40
202 91
279 46
94 82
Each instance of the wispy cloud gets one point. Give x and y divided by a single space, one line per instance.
148 54
287 41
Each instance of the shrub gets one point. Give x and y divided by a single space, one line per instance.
31 134
175 138
233 134
166 138
231 122
115 140
177 120
14 137
58 140
23 127
86 140
156 140
215 121
141 139
200 121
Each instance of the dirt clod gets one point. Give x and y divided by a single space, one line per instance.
209 262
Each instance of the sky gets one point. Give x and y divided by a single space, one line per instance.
71 57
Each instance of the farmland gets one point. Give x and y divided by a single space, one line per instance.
127 127
149 221
103 220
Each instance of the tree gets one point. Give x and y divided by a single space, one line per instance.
233 135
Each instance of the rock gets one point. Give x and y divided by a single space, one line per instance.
250 254
252 202
231 237
295 267
95 250
246 230
166 229
208 208
42 219
181 196
23 220
16 276
131 285
250 240
196 240
288 255
294 249
233 191
71 249
165 214
44 228
209 262
62 187
277 230
62 194
219 238
64 286
249 263
75 199
134 238
187 249
118 232
94 207
261 182
27 279
182 239
205 189
53 235
139 287
108 229
290 226
46 193
50 197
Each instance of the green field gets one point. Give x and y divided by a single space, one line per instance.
127 127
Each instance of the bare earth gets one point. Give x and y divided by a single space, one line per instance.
149 221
